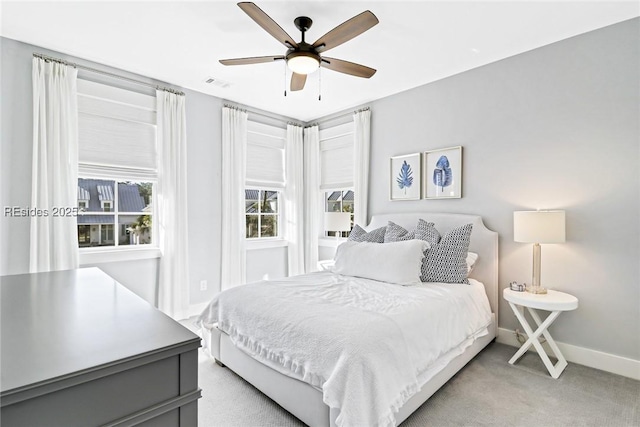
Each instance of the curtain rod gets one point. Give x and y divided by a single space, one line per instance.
263 114
106 73
340 116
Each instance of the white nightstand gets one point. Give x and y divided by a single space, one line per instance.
553 301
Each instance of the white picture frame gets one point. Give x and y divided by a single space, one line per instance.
405 177
442 177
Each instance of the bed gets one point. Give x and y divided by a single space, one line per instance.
298 387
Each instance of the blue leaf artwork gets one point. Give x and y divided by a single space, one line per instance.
442 174
404 179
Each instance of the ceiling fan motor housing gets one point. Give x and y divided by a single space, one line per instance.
303 59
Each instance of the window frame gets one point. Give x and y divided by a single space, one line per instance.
278 216
267 136
108 102
116 252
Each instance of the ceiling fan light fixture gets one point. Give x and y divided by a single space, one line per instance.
303 62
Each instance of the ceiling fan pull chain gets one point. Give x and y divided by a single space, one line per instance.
320 84
285 78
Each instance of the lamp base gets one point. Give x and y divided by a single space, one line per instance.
535 287
539 290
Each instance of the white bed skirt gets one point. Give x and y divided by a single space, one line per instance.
305 401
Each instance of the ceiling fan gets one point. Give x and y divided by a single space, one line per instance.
303 58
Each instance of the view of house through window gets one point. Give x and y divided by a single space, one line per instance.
262 213
114 213
339 201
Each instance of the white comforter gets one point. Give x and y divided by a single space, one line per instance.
364 343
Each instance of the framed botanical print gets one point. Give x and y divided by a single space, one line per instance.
443 173
405 177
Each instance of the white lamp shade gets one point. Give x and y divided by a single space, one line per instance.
539 226
337 221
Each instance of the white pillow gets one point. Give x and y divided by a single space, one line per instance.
472 257
396 262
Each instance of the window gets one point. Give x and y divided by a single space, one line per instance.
117 166
336 171
262 209
339 201
265 180
128 205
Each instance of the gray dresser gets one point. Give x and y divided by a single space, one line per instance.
79 349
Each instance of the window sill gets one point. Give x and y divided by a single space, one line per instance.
103 255
254 244
331 242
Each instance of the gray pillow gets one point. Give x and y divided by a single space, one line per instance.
396 233
358 234
445 261
426 231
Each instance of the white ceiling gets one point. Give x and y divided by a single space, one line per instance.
416 42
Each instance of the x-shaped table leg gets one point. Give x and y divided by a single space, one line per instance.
556 370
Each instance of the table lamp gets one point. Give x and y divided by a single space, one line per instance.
538 227
337 221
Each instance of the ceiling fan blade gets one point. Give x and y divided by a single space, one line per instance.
251 60
346 31
298 81
347 67
267 23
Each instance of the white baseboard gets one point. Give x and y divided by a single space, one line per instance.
583 356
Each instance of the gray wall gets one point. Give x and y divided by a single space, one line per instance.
15 154
553 128
266 263
204 157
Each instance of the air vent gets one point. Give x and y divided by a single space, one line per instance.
217 82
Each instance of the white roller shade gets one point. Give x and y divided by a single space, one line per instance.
265 156
116 132
336 157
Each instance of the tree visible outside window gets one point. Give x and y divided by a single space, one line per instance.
114 213
339 201
262 211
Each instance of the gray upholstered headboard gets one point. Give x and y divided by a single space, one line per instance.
484 242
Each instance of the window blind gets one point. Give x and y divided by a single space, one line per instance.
116 132
265 156
336 157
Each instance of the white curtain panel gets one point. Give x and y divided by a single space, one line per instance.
54 176
171 197
294 199
313 199
234 148
362 148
